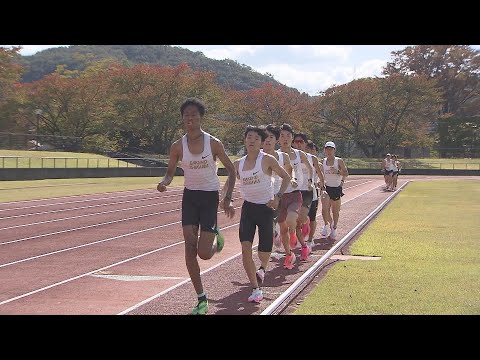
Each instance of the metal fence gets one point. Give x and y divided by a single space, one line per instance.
21 162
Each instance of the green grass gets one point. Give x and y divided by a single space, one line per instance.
40 189
428 239
53 159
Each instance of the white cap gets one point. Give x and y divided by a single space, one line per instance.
330 144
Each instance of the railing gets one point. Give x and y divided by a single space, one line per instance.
415 164
22 162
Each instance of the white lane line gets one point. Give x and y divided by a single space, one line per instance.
114 194
137 277
100 269
134 258
81 207
68 202
86 274
126 311
87 215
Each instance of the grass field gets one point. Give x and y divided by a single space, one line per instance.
53 159
428 239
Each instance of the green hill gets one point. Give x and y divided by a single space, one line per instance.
76 57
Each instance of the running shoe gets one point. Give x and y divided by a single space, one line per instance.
220 240
324 232
304 252
277 240
306 228
201 308
311 244
260 276
333 234
256 296
289 261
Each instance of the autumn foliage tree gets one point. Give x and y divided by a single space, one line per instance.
379 114
73 106
10 73
456 71
148 99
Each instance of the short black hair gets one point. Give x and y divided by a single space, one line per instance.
287 127
302 135
275 130
196 102
260 130
312 145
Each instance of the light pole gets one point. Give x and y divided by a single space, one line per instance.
38 112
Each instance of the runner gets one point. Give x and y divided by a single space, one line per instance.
387 170
254 171
396 170
292 199
319 182
273 134
335 175
198 152
307 188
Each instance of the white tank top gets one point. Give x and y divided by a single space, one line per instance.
255 186
389 164
277 179
200 170
304 185
332 179
314 177
297 171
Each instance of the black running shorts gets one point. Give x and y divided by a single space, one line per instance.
335 193
254 215
200 208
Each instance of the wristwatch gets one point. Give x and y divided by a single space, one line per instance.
279 196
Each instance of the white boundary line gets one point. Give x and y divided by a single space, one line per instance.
312 270
221 263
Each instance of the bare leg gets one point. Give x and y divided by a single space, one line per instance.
248 263
313 227
191 242
264 258
302 219
336 211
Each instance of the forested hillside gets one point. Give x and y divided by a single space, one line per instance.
76 57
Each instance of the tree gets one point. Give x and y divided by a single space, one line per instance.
10 73
456 71
379 114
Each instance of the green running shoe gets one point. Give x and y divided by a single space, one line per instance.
201 308
220 240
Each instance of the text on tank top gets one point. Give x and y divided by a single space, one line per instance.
255 186
200 170
332 178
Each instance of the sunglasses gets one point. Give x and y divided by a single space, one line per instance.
299 141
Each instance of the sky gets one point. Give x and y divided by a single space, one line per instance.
308 68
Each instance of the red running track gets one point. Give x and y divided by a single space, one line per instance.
108 253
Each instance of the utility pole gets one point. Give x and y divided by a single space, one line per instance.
38 112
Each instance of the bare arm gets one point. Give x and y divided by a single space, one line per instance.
219 151
342 169
304 159
289 169
319 169
172 167
225 186
275 166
